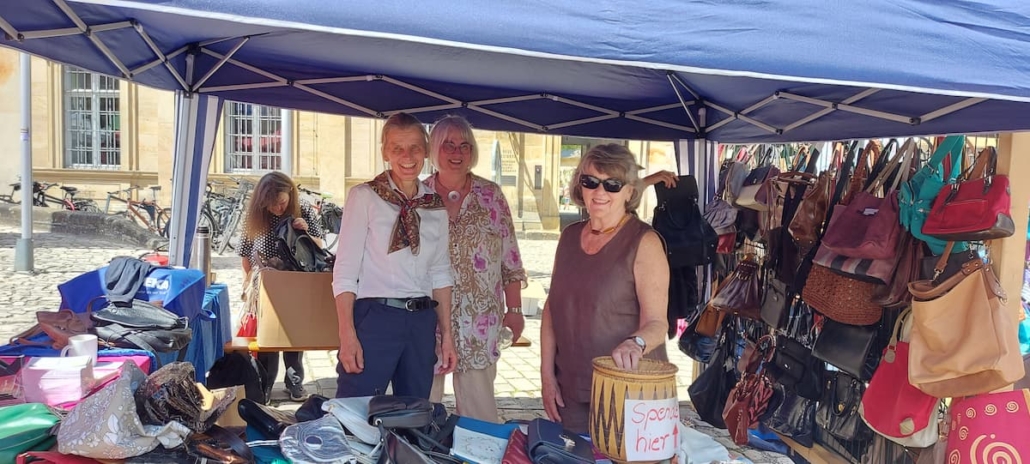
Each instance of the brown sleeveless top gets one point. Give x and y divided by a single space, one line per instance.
593 304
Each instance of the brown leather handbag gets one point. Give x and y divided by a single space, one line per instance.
59 325
740 294
841 298
750 397
895 294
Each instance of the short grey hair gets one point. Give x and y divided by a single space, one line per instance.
402 120
616 161
439 135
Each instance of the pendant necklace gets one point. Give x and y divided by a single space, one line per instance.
610 229
454 195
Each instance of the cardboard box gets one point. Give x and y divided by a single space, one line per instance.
297 310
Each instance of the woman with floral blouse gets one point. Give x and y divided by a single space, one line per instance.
487 267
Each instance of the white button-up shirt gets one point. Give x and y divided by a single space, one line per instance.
363 266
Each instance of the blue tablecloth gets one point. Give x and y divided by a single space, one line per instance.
207 309
212 328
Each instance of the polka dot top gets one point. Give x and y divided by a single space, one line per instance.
262 248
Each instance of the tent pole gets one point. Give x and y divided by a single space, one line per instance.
1008 254
23 250
286 143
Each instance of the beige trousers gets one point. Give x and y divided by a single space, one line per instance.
473 393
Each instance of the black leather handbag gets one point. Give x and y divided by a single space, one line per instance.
795 418
268 421
847 347
399 412
689 239
548 443
710 391
838 408
776 302
794 367
141 325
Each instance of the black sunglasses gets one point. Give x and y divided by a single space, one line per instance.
611 185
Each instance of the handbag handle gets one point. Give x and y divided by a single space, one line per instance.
892 345
762 353
950 148
901 160
861 173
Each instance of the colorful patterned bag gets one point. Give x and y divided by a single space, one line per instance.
990 428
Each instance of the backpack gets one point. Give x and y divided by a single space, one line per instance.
240 369
298 250
141 325
689 239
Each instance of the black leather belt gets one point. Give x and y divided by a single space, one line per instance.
407 304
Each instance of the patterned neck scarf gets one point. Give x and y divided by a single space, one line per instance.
405 230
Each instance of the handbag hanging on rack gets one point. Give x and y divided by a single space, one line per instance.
992 427
964 340
867 226
838 409
847 347
891 406
710 390
740 294
917 195
975 207
689 239
749 399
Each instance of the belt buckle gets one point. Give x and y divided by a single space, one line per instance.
410 305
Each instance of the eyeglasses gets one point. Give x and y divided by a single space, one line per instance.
450 148
611 185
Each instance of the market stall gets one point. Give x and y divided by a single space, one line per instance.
693 71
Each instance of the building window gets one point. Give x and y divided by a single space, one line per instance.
253 137
92 120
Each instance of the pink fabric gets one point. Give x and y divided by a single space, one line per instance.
990 428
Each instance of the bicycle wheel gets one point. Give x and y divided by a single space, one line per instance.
87 206
230 232
162 219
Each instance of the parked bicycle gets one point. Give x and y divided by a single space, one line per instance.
14 198
329 213
145 212
223 212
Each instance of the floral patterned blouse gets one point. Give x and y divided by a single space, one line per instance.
484 259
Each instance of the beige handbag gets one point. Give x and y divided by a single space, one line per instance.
964 342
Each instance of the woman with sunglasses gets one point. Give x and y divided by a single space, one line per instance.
486 264
609 289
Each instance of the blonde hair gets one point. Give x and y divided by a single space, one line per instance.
439 135
616 161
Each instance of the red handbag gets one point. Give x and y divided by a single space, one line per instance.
892 406
750 397
973 208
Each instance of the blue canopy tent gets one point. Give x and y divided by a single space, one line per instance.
733 71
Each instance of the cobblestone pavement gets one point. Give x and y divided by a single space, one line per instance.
59 258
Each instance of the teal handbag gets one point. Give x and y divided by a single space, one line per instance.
25 427
915 197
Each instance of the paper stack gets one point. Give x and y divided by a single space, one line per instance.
57 380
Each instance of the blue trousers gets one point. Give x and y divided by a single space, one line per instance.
398 346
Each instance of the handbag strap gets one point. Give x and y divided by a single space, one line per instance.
900 164
892 345
950 148
861 174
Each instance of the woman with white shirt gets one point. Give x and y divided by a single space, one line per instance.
392 279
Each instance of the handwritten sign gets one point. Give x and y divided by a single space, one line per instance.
651 429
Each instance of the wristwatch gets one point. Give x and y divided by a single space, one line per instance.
639 341
515 309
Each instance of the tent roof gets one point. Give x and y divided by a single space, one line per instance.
746 70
